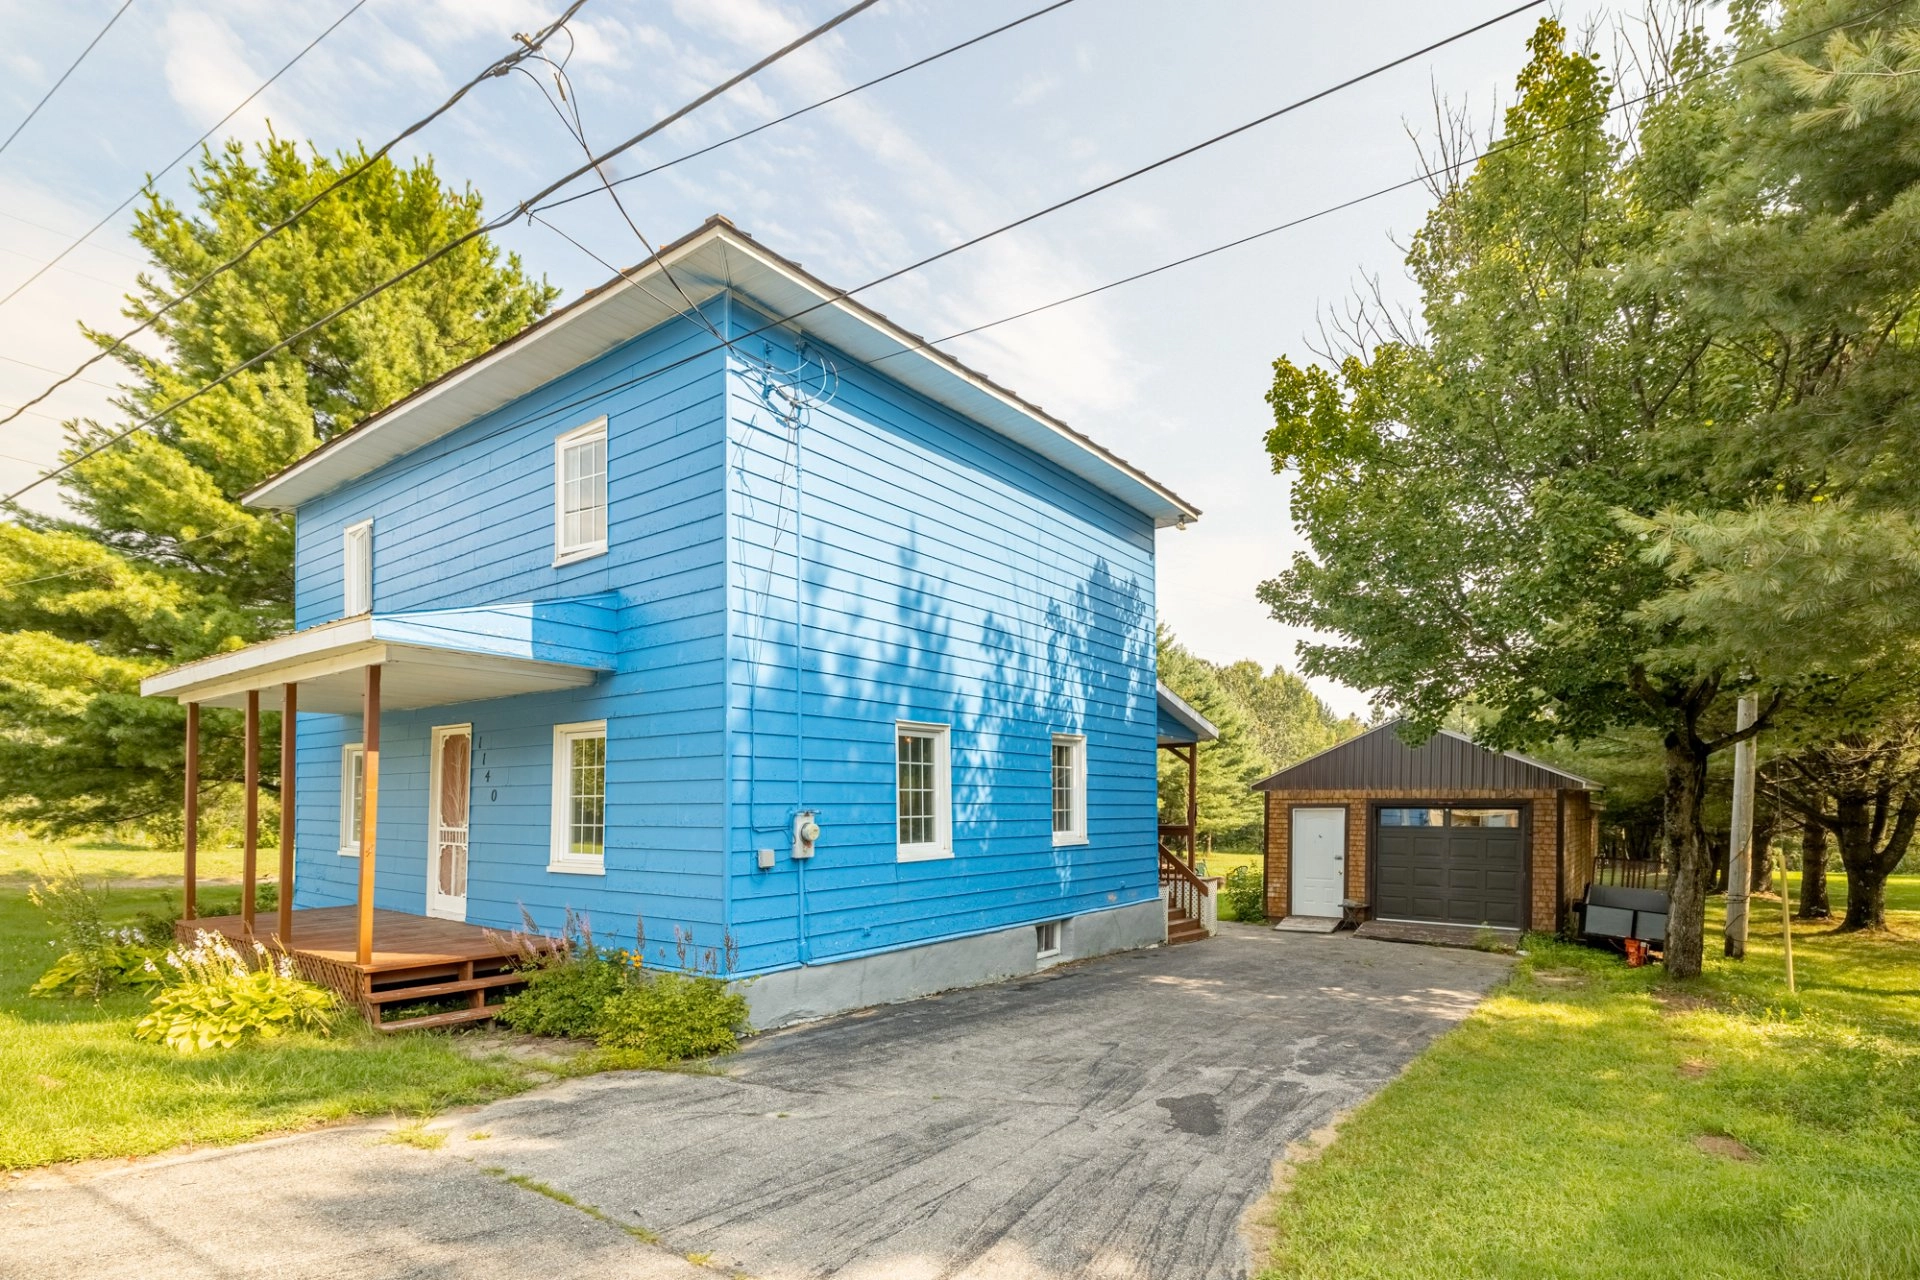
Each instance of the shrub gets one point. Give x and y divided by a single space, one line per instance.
95 957
214 998
668 1017
1244 895
566 991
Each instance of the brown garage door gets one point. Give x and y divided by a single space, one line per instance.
1452 865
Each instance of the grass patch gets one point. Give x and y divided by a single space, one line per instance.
23 857
1591 1121
417 1136
76 1085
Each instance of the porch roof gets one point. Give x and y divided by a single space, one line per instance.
428 658
1180 724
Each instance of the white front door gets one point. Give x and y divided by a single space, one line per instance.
449 792
1318 862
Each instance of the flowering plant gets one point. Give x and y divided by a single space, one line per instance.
94 956
214 997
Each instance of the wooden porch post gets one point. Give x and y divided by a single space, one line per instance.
250 857
289 710
1193 801
192 836
369 809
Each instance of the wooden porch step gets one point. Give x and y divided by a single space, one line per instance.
1187 931
434 990
440 1019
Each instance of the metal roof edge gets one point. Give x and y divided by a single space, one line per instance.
1183 711
718 228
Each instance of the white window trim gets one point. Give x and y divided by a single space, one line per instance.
1042 951
347 536
349 847
1077 834
563 554
559 857
942 846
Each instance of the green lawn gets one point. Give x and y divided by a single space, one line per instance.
74 1084
1595 1121
23 859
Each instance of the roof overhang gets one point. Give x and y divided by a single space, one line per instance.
1180 724
427 659
715 258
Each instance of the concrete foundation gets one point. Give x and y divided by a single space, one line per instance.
820 990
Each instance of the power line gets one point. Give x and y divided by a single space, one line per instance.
714 146
1417 179
525 206
127 4
606 388
499 67
824 102
152 178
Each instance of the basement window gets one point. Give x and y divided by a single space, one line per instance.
1046 939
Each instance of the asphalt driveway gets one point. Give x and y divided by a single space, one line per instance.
1112 1119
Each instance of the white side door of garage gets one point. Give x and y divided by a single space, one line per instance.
1318 861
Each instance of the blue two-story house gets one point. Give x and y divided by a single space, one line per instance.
726 614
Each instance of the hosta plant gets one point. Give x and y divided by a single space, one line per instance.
214 997
94 957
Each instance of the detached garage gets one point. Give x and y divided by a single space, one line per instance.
1443 834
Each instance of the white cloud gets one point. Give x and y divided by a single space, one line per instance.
207 72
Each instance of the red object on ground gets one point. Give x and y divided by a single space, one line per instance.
1636 953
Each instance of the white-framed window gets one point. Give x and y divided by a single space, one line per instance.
1069 788
1046 938
356 569
580 493
922 791
579 798
353 795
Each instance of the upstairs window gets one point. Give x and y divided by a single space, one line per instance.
923 792
356 568
580 493
1069 789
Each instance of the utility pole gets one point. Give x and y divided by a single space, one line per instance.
1740 841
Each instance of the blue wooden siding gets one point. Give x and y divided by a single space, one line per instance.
949 577
468 521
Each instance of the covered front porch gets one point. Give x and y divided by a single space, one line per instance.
366 665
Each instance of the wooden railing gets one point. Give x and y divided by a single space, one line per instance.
1178 838
1187 890
1630 873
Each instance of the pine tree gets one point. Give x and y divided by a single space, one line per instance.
157 562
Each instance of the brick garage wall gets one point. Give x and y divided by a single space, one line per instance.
1544 906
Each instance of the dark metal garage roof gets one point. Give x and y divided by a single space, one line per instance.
1446 764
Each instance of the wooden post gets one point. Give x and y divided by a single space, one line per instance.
369 809
250 857
1193 801
192 837
289 709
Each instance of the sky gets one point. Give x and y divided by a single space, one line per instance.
1169 373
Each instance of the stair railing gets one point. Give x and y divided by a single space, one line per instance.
1188 891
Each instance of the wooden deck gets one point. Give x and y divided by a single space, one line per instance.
415 959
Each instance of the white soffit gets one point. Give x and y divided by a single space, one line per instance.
714 258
